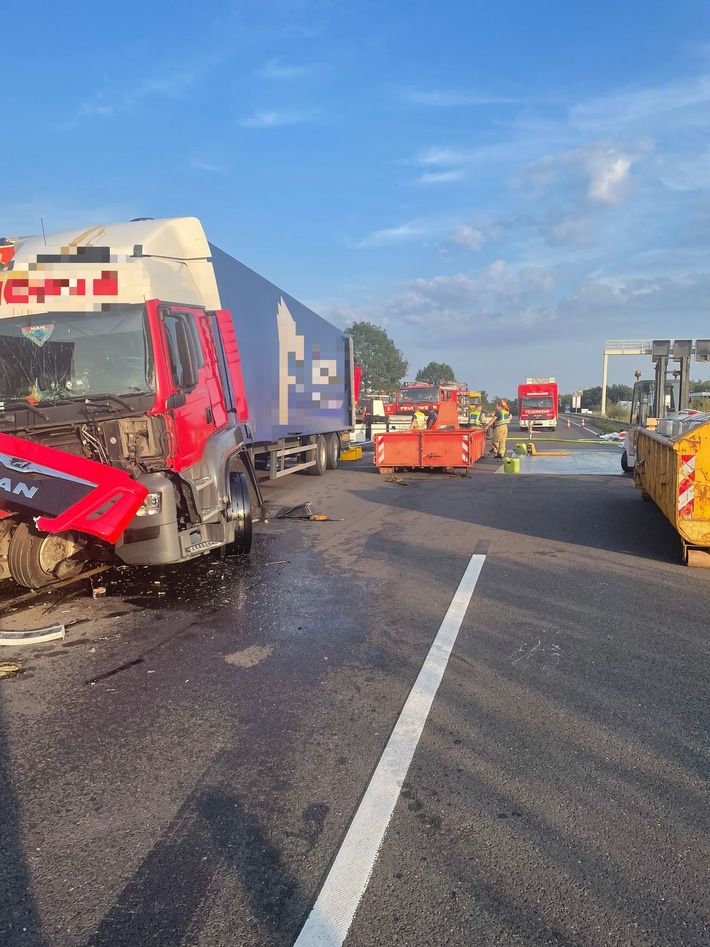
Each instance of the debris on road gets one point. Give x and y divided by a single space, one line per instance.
32 635
304 511
10 669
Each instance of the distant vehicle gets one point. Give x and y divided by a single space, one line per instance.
538 404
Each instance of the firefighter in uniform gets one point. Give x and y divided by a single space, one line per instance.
500 422
475 415
418 421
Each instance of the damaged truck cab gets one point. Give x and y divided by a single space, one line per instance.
125 428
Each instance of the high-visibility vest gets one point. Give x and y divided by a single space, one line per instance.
419 420
474 415
503 420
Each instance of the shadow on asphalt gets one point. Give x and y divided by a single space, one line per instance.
20 922
597 512
212 836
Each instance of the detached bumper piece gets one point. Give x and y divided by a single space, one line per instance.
64 492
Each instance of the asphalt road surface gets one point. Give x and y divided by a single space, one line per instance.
464 711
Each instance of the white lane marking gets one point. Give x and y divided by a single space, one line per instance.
332 914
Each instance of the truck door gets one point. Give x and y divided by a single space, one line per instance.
195 408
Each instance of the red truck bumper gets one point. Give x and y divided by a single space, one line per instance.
62 492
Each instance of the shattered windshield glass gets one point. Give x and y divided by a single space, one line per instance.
60 356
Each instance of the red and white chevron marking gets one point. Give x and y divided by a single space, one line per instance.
380 450
686 486
465 450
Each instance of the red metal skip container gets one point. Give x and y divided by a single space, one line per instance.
454 450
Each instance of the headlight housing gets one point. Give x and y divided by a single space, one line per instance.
152 504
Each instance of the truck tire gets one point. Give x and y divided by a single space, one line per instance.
320 455
34 557
239 514
625 463
332 444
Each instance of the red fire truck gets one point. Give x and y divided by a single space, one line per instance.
144 374
538 404
420 396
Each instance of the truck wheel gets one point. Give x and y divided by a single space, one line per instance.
332 446
239 513
625 463
320 456
33 558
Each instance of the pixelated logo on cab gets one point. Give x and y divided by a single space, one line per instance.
19 290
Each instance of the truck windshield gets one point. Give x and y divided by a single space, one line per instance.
60 356
419 395
537 402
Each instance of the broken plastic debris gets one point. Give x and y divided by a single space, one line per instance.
10 669
302 511
32 635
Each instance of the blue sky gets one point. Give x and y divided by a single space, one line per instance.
501 187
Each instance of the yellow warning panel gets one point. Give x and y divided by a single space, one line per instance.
353 453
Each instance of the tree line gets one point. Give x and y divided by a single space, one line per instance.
383 364
384 367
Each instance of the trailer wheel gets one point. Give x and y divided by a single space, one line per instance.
332 444
33 557
320 456
625 463
240 514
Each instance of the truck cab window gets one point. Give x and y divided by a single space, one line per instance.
181 349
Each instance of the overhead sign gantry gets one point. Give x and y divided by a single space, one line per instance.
700 349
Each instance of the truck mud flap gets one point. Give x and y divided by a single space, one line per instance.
62 491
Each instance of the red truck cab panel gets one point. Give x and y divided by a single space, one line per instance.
188 389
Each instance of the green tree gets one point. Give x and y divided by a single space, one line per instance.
383 365
592 397
616 393
435 372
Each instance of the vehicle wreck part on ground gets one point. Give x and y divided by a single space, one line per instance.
32 635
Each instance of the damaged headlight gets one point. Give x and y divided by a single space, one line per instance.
152 504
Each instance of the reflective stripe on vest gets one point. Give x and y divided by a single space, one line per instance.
503 420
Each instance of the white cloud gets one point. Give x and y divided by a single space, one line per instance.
467 237
598 170
634 106
277 70
440 177
609 177
275 119
392 235
207 166
449 98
